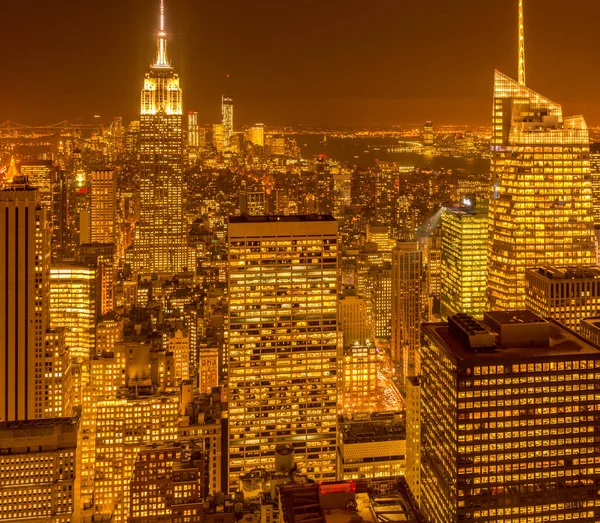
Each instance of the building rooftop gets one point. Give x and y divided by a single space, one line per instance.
560 342
567 273
371 432
277 218
38 423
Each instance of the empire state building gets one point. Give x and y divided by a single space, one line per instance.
160 245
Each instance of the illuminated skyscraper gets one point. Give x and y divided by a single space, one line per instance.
227 122
256 135
283 343
541 210
161 244
24 262
428 135
193 130
464 259
507 421
408 291
103 207
74 293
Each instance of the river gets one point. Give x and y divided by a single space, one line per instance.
364 152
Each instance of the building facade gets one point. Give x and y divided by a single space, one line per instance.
464 260
541 209
283 343
39 471
567 294
161 242
407 305
103 206
24 264
508 417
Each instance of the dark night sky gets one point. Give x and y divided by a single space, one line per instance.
296 61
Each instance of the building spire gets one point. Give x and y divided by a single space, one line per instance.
162 60
521 45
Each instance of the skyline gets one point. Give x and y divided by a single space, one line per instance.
362 81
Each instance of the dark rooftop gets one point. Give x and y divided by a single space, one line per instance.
562 343
277 218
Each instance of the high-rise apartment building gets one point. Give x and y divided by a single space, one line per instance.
74 293
508 421
541 210
283 342
464 259
103 223
39 471
567 294
24 263
407 306
161 242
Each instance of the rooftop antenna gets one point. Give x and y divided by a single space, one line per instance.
521 45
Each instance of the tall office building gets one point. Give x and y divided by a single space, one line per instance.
379 295
103 207
508 421
161 243
227 122
256 135
193 130
352 311
566 294
42 175
283 343
24 262
408 288
74 298
541 211
428 136
464 259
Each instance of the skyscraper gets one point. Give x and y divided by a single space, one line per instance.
464 259
283 343
103 206
507 418
24 262
193 130
161 244
74 301
541 210
407 304
227 114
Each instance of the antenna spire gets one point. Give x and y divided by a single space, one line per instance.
162 16
521 45
162 59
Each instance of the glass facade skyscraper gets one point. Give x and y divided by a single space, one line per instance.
541 209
